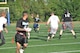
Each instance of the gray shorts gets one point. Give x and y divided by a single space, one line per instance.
66 25
2 37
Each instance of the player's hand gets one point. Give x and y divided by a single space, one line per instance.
62 22
28 29
6 31
46 25
0 31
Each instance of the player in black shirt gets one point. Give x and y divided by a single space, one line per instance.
67 23
36 23
20 37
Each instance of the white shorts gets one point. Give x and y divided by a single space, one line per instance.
53 30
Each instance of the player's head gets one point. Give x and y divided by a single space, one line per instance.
66 11
52 13
37 15
3 13
25 14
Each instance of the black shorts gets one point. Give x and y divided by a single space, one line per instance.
21 39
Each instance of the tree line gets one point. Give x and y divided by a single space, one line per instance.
43 8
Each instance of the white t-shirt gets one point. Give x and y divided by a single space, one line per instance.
54 21
3 20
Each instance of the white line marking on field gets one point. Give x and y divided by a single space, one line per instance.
44 45
40 40
55 44
66 51
36 37
31 32
44 39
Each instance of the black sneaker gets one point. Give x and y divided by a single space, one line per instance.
59 36
2 43
75 36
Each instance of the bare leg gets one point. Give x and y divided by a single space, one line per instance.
25 45
22 49
28 35
73 33
18 47
61 31
49 36
55 30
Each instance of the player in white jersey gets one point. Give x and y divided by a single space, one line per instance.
3 22
53 21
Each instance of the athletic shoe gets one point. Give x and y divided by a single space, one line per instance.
28 36
59 36
48 38
2 43
75 36
21 50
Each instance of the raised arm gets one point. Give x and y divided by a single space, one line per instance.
48 22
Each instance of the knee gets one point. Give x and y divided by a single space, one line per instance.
25 45
18 46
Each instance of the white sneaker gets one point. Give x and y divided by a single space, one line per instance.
28 36
21 50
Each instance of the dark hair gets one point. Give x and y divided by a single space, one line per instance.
66 10
24 12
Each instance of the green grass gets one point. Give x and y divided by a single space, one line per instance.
38 43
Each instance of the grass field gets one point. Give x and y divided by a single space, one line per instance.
38 43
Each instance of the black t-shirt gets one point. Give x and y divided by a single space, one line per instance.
22 24
67 17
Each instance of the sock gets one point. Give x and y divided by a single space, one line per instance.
28 35
53 36
21 50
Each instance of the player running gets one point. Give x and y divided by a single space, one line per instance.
67 23
20 37
36 23
53 21
3 22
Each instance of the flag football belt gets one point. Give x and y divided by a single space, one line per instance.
21 34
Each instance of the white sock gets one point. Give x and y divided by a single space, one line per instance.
28 35
48 38
52 35
21 50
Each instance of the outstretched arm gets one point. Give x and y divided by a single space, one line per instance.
6 30
20 29
48 22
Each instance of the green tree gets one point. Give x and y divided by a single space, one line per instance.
43 7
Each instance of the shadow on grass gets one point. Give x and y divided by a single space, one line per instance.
39 38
